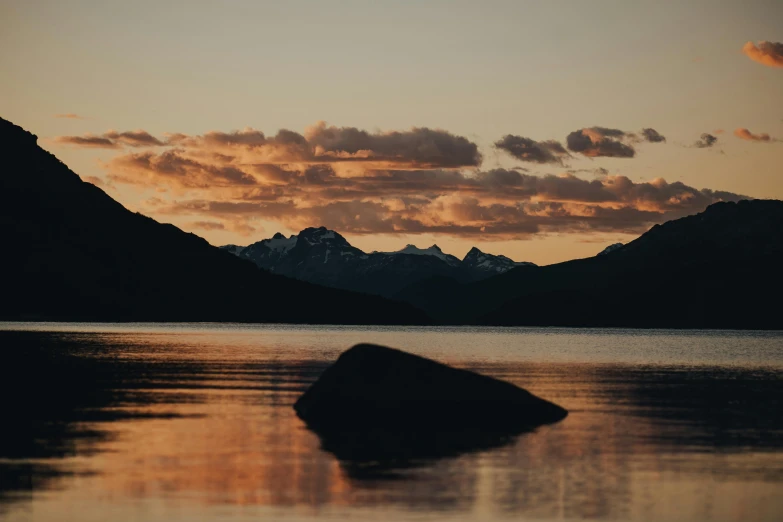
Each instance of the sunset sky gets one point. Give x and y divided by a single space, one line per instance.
539 130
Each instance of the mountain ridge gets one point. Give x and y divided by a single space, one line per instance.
325 257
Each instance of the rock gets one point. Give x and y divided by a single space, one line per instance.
372 387
380 411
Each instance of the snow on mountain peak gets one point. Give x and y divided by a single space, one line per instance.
610 248
434 251
314 236
330 248
490 262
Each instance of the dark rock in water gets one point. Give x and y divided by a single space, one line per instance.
381 405
375 386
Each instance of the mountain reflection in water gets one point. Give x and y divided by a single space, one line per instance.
174 422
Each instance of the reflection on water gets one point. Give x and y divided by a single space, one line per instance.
145 422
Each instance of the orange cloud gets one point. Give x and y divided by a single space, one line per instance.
417 148
170 167
207 225
766 53
137 138
89 141
69 115
498 204
113 140
745 134
415 181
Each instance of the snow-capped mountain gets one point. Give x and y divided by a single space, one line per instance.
323 256
610 248
278 253
434 250
489 263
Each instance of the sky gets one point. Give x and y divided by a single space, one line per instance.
543 131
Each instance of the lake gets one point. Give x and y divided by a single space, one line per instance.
193 422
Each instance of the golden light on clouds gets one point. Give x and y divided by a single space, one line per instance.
765 53
419 181
745 134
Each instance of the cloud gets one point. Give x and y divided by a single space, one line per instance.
499 203
600 142
138 138
596 142
89 141
653 136
419 146
416 148
207 225
171 167
766 53
69 115
466 216
113 140
525 149
706 141
413 182
745 134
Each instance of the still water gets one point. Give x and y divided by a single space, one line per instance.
193 422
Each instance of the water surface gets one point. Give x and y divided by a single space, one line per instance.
194 422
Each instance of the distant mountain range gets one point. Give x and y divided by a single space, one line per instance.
324 257
73 253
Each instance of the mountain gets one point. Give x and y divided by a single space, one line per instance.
434 251
73 253
716 269
610 248
491 265
324 257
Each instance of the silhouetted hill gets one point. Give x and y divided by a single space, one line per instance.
73 253
717 269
